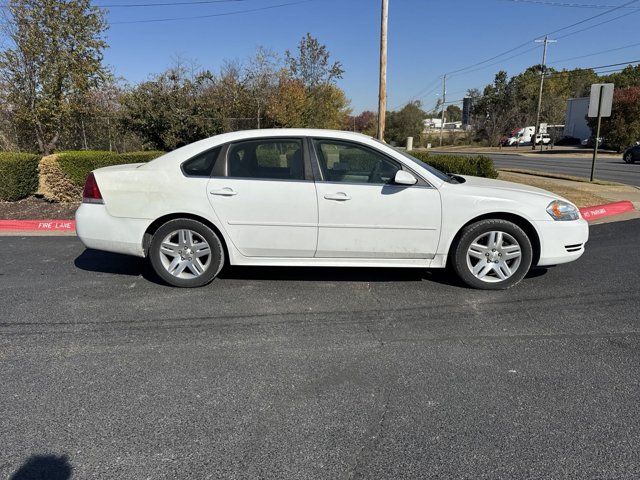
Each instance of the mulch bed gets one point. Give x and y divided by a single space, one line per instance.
37 209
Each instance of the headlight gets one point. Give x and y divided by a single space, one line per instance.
563 211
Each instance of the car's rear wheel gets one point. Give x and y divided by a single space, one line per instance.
186 253
628 158
492 254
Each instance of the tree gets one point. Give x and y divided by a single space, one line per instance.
629 77
622 129
408 122
55 57
167 111
453 113
287 103
511 103
311 65
261 79
326 106
363 123
496 111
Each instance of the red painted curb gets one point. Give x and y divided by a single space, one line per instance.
600 211
38 225
588 213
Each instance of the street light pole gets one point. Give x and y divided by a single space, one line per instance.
536 129
382 94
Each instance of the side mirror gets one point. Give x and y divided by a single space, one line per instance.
404 178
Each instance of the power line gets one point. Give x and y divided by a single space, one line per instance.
596 53
418 95
498 62
565 4
465 70
155 4
166 4
225 14
594 17
569 72
596 25
528 42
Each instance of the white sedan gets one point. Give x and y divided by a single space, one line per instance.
298 197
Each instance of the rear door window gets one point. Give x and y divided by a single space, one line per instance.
269 159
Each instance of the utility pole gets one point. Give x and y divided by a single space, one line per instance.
444 100
536 129
382 95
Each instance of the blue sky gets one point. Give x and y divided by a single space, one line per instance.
426 39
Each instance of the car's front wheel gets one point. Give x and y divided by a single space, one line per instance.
492 254
628 157
186 253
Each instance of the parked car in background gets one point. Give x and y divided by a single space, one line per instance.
509 141
545 138
305 197
590 142
632 154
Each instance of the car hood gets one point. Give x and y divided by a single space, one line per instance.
492 185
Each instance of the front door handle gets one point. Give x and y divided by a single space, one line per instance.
224 192
340 196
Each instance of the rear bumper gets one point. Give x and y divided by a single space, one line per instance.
562 242
101 231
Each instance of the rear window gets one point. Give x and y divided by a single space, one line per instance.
201 165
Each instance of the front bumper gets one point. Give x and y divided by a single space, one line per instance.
97 229
561 242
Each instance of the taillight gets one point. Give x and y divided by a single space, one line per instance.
91 192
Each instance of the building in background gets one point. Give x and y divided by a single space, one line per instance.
432 123
575 122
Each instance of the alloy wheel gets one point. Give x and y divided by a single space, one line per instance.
185 254
494 256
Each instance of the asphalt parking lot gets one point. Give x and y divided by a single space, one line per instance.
326 373
613 169
607 168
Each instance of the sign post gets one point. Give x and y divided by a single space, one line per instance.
599 106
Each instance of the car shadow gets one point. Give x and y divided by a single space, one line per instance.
106 262
118 264
44 467
331 274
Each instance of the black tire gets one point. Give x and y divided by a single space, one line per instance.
214 263
459 249
628 157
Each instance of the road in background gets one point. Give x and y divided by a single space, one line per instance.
319 373
607 168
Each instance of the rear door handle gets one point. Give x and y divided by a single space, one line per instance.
340 196
224 192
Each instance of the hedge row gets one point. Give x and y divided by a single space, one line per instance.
63 175
474 165
18 175
77 164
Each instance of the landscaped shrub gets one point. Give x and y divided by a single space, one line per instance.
54 184
18 175
77 164
474 165
62 175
